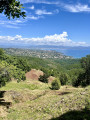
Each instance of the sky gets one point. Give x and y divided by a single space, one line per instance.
49 22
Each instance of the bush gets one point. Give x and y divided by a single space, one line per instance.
81 80
63 78
4 77
56 84
43 78
87 106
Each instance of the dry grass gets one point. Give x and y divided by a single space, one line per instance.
33 74
34 100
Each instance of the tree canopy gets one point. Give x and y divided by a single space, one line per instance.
85 61
12 8
84 77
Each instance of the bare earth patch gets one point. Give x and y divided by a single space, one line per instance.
33 74
50 79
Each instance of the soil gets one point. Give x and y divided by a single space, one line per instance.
33 74
50 79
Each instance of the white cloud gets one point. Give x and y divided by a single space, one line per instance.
69 7
56 11
59 40
32 7
43 12
77 8
33 17
12 23
11 26
40 1
17 22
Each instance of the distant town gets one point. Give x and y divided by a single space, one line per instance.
37 53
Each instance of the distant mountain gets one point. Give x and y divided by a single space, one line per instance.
36 53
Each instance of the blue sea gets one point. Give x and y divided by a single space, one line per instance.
74 52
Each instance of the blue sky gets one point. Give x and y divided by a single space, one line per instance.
52 22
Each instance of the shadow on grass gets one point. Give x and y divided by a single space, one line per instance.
61 93
2 94
64 93
2 101
75 115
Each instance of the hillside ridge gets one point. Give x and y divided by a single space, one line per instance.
36 53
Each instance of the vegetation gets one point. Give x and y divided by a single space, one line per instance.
56 84
70 72
84 77
32 99
11 8
43 78
64 78
12 67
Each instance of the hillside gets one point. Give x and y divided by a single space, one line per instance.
36 53
33 100
24 97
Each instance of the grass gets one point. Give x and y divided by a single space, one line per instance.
41 103
24 85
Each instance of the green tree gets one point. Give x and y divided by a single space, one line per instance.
85 62
4 77
1 51
73 76
11 8
63 78
4 74
43 78
56 84
84 77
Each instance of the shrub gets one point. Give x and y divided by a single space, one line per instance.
4 77
87 106
43 78
63 78
56 84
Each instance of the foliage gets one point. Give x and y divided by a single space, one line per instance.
84 77
1 53
63 78
43 78
51 67
4 77
8 71
85 62
11 8
87 106
23 64
73 76
56 84
10 67
69 71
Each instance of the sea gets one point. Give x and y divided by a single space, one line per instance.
75 52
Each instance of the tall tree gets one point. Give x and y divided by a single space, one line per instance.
12 8
84 77
85 61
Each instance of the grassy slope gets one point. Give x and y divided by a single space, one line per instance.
33 100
